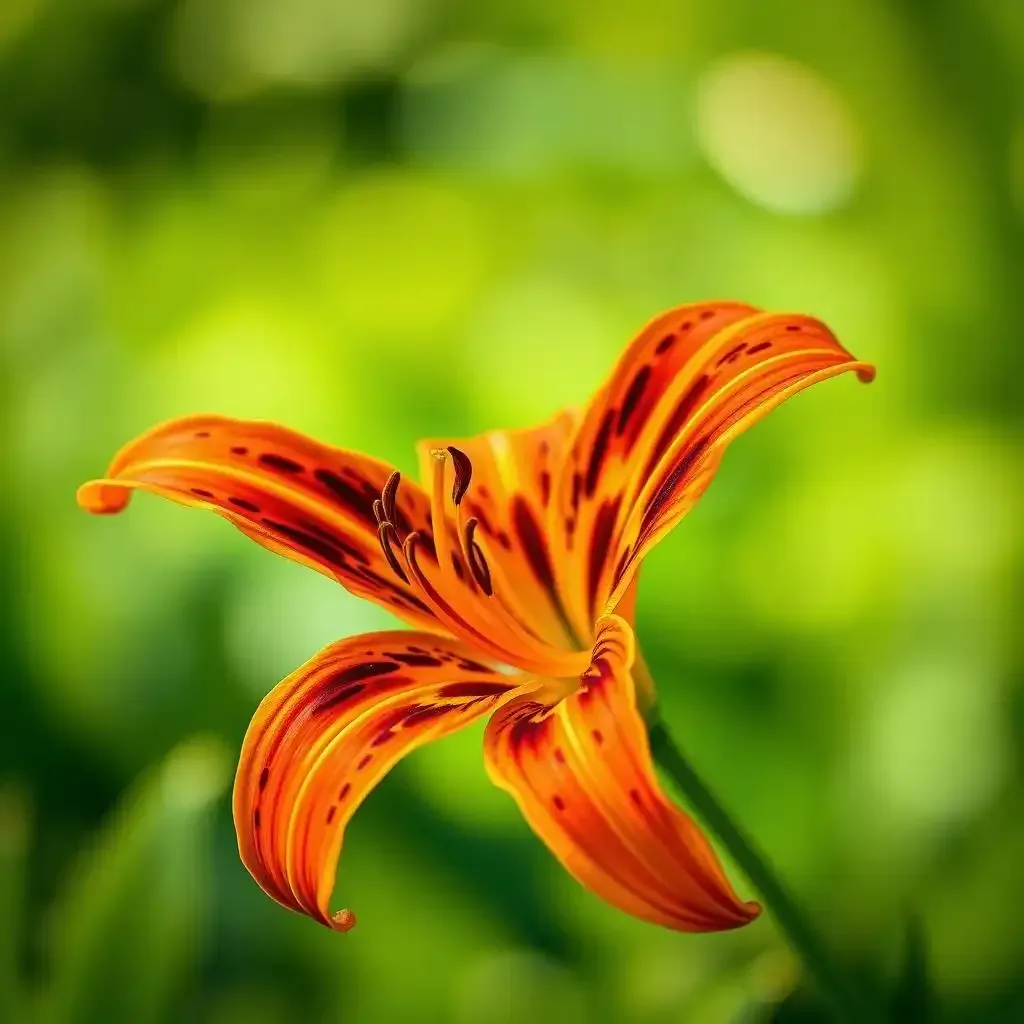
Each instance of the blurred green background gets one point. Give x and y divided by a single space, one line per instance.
381 219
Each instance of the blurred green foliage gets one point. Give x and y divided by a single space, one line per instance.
376 221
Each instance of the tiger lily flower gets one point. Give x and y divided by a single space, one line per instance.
515 563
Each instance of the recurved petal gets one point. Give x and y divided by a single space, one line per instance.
652 438
326 735
580 769
309 501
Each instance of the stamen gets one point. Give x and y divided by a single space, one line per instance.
463 473
378 511
387 497
475 557
388 535
438 516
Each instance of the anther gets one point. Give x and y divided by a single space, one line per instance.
387 497
463 473
475 557
388 535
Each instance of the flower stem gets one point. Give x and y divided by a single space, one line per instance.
805 941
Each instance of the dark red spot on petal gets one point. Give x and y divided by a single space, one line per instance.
544 479
354 500
598 736
348 683
532 540
264 778
666 491
364 761
598 452
256 818
202 433
330 813
425 714
331 551
793 327
239 449
559 755
600 543
634 795
245 504
343 792
633 395
707 314
423 660
472 688
687 404
732 355
665 344
754 349
469 665
280 462
202 493
620 568
558 802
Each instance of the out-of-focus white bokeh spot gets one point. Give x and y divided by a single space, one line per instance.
778 133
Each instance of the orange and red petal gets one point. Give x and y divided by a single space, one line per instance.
653 436
309 501
326 735
580 769
510 495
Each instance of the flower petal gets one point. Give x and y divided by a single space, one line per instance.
580 769
653 436
308 501
326 735
510 495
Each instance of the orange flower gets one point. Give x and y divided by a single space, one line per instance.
520 549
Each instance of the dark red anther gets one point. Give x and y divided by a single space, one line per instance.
463 473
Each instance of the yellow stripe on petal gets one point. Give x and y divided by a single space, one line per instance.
309 501
579 767
325 736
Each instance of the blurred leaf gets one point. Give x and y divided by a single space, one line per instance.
14 840
127 929
912 997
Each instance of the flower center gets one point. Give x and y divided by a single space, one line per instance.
466 592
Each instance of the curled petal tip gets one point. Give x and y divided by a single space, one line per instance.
343 920
103 497
865 372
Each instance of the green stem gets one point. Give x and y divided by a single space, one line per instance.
801 935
